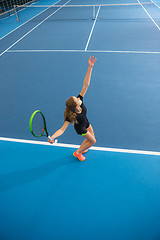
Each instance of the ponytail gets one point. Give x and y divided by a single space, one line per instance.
70 111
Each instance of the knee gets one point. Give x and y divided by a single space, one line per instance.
94 141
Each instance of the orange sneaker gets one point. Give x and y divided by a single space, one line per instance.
79 156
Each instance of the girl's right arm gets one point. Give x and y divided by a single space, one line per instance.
59 132
87 78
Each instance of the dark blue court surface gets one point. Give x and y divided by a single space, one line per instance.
45 192
123 99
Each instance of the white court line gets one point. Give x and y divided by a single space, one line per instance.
85 51
77 146
28 20
32 29
149 15
155 4
92 30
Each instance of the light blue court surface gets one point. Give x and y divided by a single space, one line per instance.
48 194
45 192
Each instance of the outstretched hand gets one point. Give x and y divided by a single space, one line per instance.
50 140
91 61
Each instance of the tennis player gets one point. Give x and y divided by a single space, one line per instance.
75 112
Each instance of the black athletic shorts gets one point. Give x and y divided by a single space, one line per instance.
82 129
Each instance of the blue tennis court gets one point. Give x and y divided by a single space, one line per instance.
45 192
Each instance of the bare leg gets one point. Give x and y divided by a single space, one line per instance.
84 147
89 140
84 142
90 129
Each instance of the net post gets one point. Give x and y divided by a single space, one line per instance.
15 11
94 15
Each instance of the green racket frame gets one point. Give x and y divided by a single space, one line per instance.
30 124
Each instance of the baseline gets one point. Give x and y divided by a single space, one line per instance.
77 146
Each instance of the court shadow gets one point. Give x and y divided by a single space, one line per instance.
12 180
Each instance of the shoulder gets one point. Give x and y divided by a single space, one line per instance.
79 96
67 120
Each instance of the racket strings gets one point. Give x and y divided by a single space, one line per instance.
38 125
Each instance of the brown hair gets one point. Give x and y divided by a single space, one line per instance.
70 111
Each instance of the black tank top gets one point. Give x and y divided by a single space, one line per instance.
81 117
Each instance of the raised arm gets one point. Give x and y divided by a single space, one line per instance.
87 78
59 132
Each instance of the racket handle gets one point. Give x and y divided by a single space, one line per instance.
49 138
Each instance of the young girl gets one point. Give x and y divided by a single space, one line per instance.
75 112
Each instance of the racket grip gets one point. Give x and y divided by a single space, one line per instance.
49 138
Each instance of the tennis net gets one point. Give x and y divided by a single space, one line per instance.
67 12
7 6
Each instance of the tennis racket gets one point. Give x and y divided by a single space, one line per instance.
37 125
